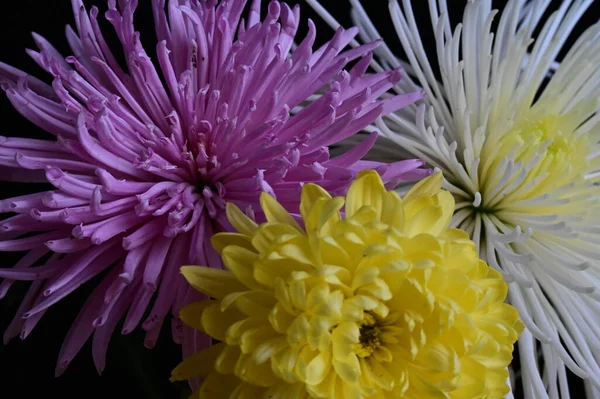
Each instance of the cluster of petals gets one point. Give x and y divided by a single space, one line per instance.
373 296
143 156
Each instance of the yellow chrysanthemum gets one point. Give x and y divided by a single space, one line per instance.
382 301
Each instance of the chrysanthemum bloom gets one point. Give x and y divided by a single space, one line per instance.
517 137
385 301
142 170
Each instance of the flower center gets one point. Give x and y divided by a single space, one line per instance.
535 157
368 337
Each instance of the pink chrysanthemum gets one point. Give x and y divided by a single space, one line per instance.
142 170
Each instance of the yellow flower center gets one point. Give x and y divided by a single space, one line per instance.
537 156
369 337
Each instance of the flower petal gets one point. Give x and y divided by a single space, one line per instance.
212 282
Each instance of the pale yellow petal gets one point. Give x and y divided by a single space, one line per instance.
216 322
218 386
215 283
344 337
271 234
392 212
322 215
348 369
267 271
225 363
447 204
351 391
427 187
191 314
281 316
241 262
253 339
269 348
318 368
260 375
248 391
438 358
287 391
311 194
239 220
377 373
199 364
255 304
298 330
235 332
275 213
221 240
423 222
368 190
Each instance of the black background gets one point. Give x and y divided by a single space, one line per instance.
27 367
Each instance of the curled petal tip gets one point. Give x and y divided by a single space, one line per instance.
61 367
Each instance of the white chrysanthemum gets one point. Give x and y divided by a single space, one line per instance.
517 137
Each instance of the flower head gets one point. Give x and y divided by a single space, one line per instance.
141 170
517 136
382 300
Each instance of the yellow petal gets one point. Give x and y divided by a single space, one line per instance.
297 249
311 194
433 214
447 205
284 363
427 187
423 222
348 369
235 332
392 212
215 283
352 391
326 389
271 234
322 215
225 363
199 364
252 339
217 322
218 386
298 331
344 337
438 358
368 190
255 374
269 348
248 391
257 304
267 271
239 220
241 262
192 314
365 215
425 388
378 374
318 368
275 213
281 316
221 240
287 391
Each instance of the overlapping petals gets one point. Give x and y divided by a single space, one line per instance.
373 296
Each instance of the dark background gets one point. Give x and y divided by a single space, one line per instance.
27 367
